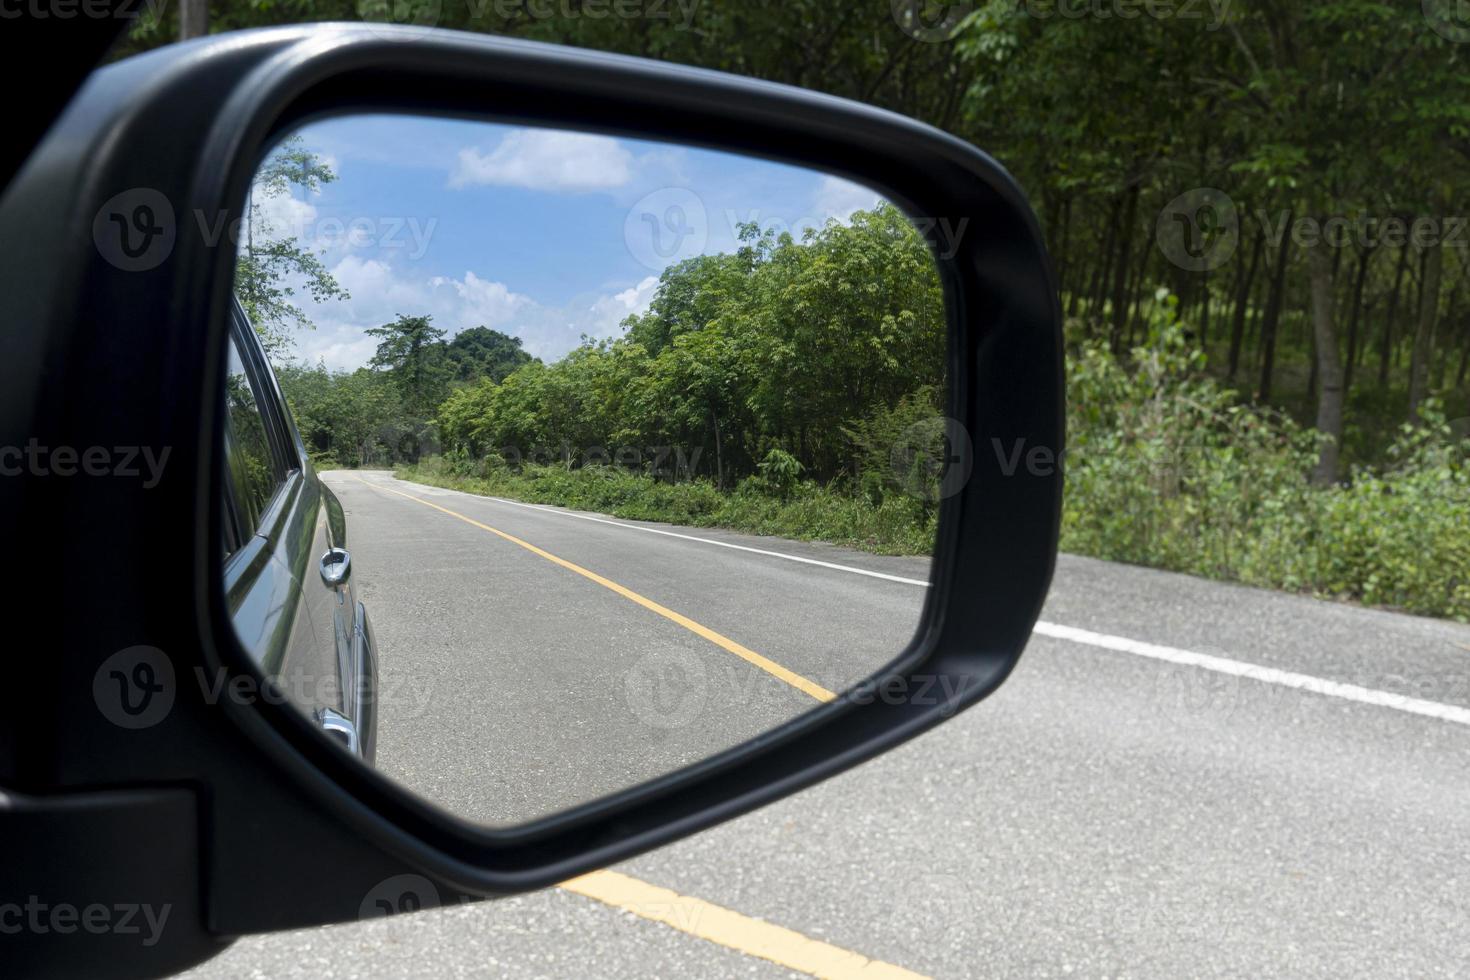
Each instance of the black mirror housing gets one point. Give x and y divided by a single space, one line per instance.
115 338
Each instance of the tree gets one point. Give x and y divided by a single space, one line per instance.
480 352
342 415
269 268
412 352
410 348
193 19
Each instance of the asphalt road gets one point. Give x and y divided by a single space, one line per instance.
1182 778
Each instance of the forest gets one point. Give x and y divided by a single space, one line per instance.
1257 216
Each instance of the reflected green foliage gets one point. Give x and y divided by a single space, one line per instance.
249 454
753 364
272 266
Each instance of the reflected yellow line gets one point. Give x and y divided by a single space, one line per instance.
695 916
753 937
718 639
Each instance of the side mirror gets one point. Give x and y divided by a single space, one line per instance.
119 269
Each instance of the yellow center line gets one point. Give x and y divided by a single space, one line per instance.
689 915
753 937
718 639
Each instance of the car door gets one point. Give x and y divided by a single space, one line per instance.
269 537
314 548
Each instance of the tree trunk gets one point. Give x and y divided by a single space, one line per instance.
1120 275
1464 358
1424 327
1355 317
1204 309
1254 315
193 18
1135 302
1385 343
719 452
1063 236
1074 298
1272 317
1100 289
1314 367
1329 366
1442 350
1242 304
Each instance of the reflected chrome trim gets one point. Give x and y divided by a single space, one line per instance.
365 670
335 566
335 724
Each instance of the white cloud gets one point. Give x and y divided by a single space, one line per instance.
608 312
342 347
377 292
491 304
380 292
546 160
281 216
838 198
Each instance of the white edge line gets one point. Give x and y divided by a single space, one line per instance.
1266 675
722 544
1118 644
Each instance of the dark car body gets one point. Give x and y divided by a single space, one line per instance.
287 571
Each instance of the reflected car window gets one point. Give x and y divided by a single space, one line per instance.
253 471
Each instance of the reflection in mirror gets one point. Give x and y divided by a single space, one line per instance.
558 462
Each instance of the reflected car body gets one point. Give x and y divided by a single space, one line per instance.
287 571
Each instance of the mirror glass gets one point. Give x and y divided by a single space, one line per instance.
556 462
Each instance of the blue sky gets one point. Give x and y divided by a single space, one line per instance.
543 234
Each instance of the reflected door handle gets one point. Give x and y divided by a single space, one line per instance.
339 727
336 565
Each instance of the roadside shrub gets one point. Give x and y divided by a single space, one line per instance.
1165 467
779 471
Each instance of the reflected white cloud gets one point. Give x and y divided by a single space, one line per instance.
546 160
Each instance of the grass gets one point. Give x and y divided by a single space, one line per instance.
897 526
